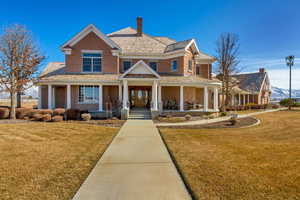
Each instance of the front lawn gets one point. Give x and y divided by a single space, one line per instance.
260 162
48 160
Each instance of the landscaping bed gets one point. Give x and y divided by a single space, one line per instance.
260 162
48 160
241 122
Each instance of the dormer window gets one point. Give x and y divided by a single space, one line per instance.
92 62
174 65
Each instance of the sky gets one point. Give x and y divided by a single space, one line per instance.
268 30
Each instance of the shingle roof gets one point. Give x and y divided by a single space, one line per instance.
165 40
250 82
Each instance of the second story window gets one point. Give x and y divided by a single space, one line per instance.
126 65
174 65
190 67
91 62
153 65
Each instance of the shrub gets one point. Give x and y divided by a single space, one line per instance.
86 116
21 113
57 118
45 111
46 117
233 120
4 113
37 117
223 114
169 116
275 106
114 118
188 117
73 114
59 111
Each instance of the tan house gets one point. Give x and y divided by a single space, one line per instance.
129 70
251 88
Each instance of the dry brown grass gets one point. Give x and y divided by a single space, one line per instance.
48 160
260 162
25 103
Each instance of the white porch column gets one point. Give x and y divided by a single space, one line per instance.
244 99
40 97
248 98
159 98
239 99
181 98
205 99
100 98
154 95
120 92
125 94
232 99
68 96
216 105
50 97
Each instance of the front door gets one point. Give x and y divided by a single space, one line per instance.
140 97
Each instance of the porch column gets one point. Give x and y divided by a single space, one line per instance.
40 97
154 95
68 96
49 96
181 98
232 99
120 92
125 94
248 98
244 99
216 106
100 98
239 99
205 99
159 98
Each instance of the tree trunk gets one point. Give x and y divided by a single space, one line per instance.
19 100
13 105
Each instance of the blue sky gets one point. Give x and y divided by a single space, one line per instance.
268 30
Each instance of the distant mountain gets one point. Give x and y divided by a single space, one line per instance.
280 93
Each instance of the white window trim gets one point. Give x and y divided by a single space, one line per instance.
172 65
190 70
92 51
95 101
123 64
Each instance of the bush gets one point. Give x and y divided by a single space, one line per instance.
188 117
223 114
59 111
233 120
21 113
73 114
86 116
4 113
57 118
45 111
46 117
274 106
169 116
37 117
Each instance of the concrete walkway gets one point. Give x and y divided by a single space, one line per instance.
219 119
136 166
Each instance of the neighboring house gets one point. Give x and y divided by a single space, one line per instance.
251 88
129 69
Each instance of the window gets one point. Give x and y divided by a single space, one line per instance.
88 94
190 65
174 65
198 71
126 65
153 65
91 62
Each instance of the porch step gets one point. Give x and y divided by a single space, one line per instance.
139 114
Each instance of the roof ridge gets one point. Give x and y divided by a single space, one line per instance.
112 33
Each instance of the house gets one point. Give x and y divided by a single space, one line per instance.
129 70
251 88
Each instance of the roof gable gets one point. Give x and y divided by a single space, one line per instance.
251 82
140 69
90 28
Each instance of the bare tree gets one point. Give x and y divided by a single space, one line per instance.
227 58
19 61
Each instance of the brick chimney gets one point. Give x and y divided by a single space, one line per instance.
262 70
139 26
